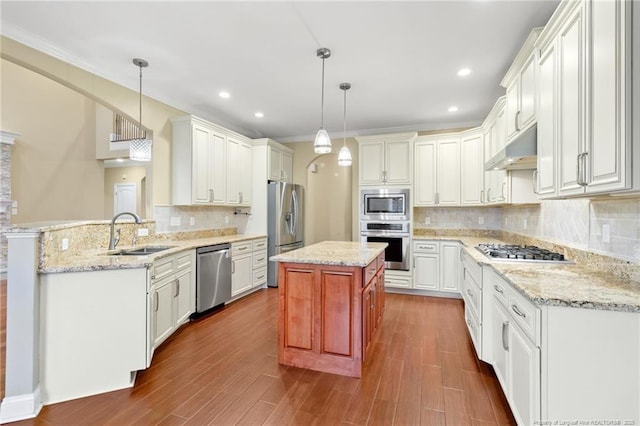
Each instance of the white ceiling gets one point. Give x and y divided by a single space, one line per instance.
400 57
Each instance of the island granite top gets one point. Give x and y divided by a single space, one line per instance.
340 253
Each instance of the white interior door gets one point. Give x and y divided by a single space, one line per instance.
124 198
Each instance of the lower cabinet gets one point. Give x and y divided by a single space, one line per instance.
249 267
436 265
372 303
171 297
471 283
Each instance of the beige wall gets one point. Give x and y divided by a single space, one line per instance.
54 171
116 175
303 156
156 115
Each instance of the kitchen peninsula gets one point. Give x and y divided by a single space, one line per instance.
331 300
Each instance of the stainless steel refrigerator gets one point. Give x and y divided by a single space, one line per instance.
285 215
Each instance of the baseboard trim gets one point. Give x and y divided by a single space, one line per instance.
21 407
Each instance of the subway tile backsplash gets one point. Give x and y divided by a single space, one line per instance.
610 227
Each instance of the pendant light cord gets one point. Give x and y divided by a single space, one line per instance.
140 122
344 120
322 98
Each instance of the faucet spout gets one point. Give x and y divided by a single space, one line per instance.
113 239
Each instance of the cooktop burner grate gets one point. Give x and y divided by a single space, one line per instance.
518 253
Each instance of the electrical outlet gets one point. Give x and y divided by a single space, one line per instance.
192 221
524 224
226 219
481 220
606 237
175 221
64 244
427 220
143 232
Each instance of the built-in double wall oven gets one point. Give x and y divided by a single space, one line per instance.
385 217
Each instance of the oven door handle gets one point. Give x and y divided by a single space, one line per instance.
385 234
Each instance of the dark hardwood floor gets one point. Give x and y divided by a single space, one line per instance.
223 370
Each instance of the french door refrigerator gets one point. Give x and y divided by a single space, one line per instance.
285 215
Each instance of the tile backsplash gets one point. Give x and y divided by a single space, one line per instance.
610 227
192 218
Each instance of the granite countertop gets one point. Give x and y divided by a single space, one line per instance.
576 285
96 260
342 253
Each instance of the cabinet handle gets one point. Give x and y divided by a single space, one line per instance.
481 195
211 195
488 195
384 176
469 292
502 196
505 343
259 277
581 172
498 289
464 274
155 302
517 126
461 254
534 180
233 266
518 312
177 281
584 168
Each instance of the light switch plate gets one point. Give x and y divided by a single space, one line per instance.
64 244
143 232
192 221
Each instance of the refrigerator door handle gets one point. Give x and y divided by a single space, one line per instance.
294 206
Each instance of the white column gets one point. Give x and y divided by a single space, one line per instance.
22 378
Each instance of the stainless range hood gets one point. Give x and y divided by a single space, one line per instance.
519 154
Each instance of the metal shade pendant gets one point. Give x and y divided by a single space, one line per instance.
344 156
140 148
322 142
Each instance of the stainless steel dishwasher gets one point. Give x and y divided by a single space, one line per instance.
213 276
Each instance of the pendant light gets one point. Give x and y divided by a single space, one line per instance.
140 148
344 157
322 143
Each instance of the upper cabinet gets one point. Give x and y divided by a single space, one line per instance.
437 170
520 83
584 101
211 165
386 159
280 162
472 168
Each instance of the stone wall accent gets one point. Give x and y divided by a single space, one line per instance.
6 143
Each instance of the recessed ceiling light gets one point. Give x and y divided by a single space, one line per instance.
224 94
463 72
453 108
259 114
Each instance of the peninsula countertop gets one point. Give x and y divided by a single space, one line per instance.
342 253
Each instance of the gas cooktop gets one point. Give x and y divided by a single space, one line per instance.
517 253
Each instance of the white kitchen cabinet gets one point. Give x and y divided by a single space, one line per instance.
437 170
471 288
591 98
242 267
520 84
209 164
259 262
547 123
162 317
449 266
426 271
280 163
436 265
471 168
386 159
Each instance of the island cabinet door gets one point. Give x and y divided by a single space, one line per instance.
296 307
336 307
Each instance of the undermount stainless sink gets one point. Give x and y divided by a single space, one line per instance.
142 251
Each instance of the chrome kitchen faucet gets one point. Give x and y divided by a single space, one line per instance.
113 238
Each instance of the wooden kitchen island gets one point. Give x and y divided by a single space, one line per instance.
331 300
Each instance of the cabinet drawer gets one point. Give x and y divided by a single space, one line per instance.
472 296
260 259
472 269
369 272
526 314
426 247
473 325
397 282
259 276
260 244
500 290
183 260
241 248
380 260
162 268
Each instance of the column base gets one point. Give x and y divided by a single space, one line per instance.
14 408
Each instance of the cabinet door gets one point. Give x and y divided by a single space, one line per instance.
182 296
242 277
496 186
570 103
274 159
287 167
450 265
425 174
500 330
380 294
233 167
448 180
397 162
610 91
202 156
472 170
547 112
367 319
371 163
527 103
219 168
512 109
426 271
163 317
245 162
524 377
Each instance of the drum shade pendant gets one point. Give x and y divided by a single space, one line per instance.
344 157
322 142
140 148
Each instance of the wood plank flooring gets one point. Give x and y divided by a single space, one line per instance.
223 370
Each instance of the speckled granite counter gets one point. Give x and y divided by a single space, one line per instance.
95 260
579 284
341 253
